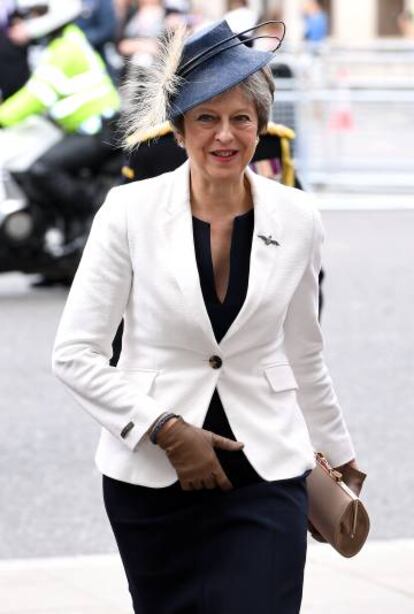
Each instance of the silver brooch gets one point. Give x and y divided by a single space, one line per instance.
268 240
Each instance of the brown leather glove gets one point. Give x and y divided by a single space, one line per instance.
353 477
190 450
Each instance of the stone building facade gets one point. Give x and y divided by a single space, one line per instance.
351 21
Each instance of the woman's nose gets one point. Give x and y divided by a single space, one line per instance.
224 132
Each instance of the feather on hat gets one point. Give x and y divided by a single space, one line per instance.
147 93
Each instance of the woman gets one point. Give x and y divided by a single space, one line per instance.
221 393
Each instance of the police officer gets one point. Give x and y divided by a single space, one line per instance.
71 85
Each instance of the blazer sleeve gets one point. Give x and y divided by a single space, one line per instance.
304 347
92 313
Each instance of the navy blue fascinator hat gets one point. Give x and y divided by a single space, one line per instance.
213 61
192 70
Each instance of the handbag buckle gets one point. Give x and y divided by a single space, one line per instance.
323 461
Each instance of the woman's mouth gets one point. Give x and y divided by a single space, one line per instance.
224 155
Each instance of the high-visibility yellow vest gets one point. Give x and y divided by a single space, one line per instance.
70 84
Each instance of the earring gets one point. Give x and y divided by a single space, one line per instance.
180 144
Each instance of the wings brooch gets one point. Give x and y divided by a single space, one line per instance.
268 240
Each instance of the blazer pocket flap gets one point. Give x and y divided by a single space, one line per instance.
142 378
281 377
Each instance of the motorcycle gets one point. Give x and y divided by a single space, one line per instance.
33 234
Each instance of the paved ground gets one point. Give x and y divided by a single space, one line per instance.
377 581
50 491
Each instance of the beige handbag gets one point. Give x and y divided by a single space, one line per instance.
335 510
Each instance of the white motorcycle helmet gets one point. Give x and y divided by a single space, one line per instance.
53 14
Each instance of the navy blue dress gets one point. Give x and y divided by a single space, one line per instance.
221 314
208 551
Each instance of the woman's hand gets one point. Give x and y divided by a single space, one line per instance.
190 450
352 476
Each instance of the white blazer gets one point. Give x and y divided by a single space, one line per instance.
139 263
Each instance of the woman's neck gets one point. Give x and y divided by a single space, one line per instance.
219 199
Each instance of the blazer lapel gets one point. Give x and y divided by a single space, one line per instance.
264 254
181 253
179 236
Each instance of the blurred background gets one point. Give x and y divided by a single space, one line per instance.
345 86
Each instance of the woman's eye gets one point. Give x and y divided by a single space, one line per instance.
205 118
242 118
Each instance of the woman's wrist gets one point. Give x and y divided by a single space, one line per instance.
167 419
168 424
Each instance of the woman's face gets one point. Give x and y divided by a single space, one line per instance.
220 135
